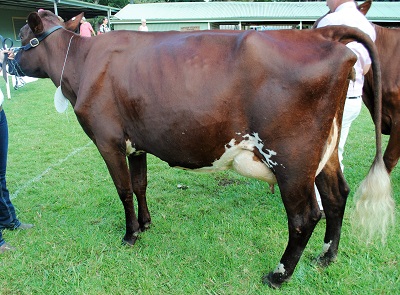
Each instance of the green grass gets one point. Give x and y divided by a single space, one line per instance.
219 236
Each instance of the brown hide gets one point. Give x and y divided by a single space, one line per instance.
194 99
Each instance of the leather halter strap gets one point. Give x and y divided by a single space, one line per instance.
35 41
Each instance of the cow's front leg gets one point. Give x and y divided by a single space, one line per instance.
138 172
132 224
303 214
118 168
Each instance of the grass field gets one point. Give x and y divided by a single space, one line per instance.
219 236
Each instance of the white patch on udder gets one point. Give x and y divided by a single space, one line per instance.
329 146
246 164
240 157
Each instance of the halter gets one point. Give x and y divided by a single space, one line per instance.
35 41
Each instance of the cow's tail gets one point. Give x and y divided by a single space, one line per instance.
374 203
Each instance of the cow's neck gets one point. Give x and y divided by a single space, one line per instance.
66 81
66 72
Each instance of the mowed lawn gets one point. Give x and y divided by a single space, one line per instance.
218 236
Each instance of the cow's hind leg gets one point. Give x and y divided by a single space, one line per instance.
138 172
392 152
334 191
303 215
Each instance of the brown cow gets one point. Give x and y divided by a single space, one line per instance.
267 105
388 45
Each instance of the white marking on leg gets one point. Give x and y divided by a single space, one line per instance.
130 149
326 247
280 269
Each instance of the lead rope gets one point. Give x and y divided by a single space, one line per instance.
65 60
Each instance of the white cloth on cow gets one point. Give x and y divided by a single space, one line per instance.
60 101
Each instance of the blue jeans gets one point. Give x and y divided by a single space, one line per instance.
8 218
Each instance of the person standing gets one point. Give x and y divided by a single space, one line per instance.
86 29
104 27
345 12
143 27
8 218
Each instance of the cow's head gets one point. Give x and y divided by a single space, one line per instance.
31 56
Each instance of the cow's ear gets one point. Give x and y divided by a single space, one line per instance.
73 23
364 7
35 23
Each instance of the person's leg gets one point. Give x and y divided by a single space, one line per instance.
7 211
5 215
1 239
8 217
352 109
318 196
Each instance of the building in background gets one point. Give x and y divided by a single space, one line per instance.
187 16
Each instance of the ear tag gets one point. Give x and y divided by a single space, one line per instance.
60 101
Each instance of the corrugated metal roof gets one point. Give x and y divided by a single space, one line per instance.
241 11
66 8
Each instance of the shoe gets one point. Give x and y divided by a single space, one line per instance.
21 225
6 247
25 226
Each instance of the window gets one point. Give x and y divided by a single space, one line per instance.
18 23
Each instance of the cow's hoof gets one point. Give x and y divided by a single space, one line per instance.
268 280
145 227
131 240
324 260
274 280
